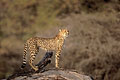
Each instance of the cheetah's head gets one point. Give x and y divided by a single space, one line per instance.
63 32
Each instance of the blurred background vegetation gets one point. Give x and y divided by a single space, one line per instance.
93 46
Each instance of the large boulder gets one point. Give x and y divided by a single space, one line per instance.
55 74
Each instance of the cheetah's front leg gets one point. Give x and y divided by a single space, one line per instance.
57 57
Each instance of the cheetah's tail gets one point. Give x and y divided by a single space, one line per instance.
24 55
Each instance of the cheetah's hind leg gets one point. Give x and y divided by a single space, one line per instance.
32 58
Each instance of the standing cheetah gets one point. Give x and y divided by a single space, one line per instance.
48 44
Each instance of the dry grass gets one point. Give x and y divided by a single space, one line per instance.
93 45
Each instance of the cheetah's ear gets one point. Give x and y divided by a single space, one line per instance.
59 30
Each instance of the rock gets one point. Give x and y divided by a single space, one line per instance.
55 74
51 74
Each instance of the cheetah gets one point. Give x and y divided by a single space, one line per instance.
48 44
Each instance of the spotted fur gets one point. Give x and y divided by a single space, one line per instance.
47 44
